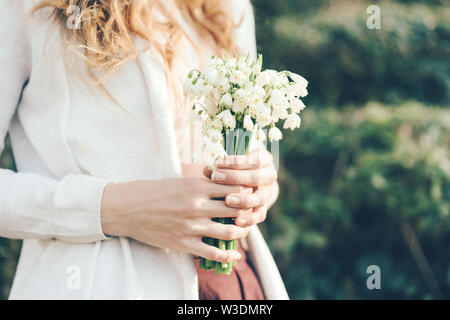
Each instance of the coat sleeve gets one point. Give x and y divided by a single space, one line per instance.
33 205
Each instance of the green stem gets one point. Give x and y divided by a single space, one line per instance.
240 147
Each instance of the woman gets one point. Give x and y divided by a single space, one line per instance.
90 93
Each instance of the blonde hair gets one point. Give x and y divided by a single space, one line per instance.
107 27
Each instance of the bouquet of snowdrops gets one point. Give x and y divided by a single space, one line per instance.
235 99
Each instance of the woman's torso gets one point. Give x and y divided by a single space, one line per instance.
66 125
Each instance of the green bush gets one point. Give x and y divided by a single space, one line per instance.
361 187
371 185
329 43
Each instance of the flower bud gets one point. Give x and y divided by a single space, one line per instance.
275 134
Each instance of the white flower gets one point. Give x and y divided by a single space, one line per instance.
241 94
215 61
274 79
260 108
259 92
238 77
263 79
247 72
299 80
276 98
240 101
293 121
223 85
227 119
300 83
259 103
275 134
295 91
212 151
231 63
198 88
264 118
292 91
282 79
218 151
303 92
226 100
279 112
211 75
248 123
256 107
214 123
252 99
256 68
242 62
238 106
261 134
197 113
211 93
296 105
214 135
210 106
223 72
212 97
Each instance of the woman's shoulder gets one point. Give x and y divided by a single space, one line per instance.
15 55
14 7
13 23
245 35
20 11
14 14
241 8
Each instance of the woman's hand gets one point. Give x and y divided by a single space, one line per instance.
254 170
174 214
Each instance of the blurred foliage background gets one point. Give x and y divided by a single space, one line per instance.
366 181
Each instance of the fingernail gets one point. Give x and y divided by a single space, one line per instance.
241 221
237 256
233 200
218 176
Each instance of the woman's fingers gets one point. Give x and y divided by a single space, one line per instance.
204 250
252 178
255 159
260 197
214 190
257 216
218 209
222 231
